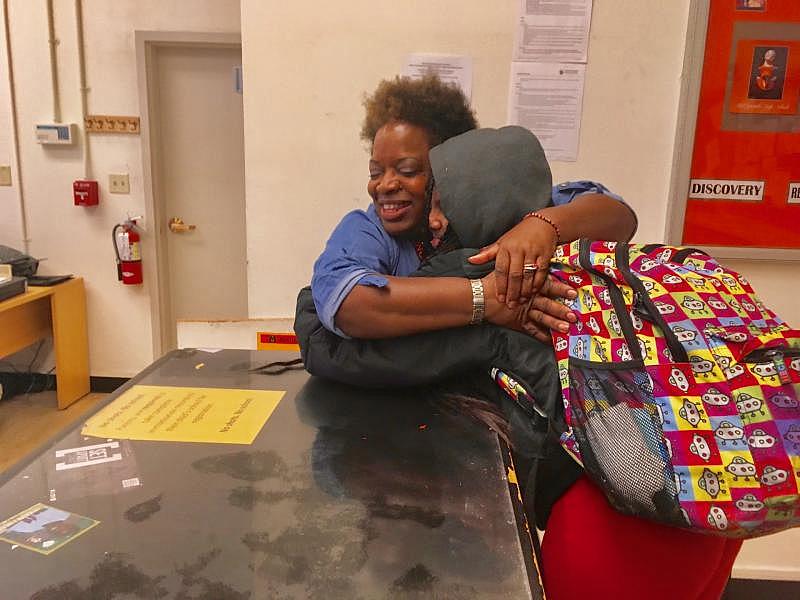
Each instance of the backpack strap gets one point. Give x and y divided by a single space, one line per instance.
617 299
642 298
684 253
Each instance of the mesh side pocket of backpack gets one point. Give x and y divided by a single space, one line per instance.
617 426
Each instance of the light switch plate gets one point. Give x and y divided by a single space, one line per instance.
119 183
5 175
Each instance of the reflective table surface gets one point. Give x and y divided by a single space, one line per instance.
345 493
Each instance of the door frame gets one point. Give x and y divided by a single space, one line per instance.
154 242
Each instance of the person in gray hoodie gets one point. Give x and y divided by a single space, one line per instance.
486 181
480 185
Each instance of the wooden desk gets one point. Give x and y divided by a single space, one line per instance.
60 311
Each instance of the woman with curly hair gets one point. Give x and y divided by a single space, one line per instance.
361 291
359 284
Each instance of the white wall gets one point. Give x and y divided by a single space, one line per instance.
306 68
74 239
307 71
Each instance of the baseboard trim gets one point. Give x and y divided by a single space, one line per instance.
22 383
747 589
766 573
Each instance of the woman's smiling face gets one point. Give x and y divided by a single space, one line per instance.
399 171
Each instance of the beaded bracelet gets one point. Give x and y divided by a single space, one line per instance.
548 221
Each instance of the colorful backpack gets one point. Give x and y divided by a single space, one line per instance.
680 389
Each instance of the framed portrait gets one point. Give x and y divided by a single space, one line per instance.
766 77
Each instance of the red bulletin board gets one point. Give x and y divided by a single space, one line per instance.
744 188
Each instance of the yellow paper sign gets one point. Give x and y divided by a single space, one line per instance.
185 414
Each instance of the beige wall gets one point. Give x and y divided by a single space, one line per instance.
305 75
306 68
75 239
307 71
305 164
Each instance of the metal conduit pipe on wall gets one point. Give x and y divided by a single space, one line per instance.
15 129
87 167
53 42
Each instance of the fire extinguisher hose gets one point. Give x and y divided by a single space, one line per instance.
116 250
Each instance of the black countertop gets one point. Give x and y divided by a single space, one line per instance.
345 493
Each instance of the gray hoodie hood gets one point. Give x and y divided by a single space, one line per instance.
488 179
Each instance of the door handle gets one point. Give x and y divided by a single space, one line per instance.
176 225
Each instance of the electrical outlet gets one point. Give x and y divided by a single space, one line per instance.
5 175
119 184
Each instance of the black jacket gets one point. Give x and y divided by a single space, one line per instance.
487 180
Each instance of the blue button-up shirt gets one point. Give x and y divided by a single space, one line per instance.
360 252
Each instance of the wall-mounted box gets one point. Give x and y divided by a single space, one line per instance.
85 192
55 133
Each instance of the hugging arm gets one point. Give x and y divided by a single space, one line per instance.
416 359
414 305
355 297
427 357
406 306
594 215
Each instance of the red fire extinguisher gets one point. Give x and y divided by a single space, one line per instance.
127 249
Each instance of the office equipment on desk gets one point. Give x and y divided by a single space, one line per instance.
21 264
46 280
344 493
9 284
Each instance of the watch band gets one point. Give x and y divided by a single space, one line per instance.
478 302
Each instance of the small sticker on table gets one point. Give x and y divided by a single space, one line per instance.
129 483
43 528
87 456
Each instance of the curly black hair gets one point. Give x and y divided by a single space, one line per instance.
438 107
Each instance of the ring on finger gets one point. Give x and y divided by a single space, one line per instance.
528 269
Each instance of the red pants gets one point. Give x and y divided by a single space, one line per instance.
592 551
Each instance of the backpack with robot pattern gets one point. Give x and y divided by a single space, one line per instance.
680 389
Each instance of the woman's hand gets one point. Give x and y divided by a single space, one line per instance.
541 314
531 242
497 312
592 215
545 311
